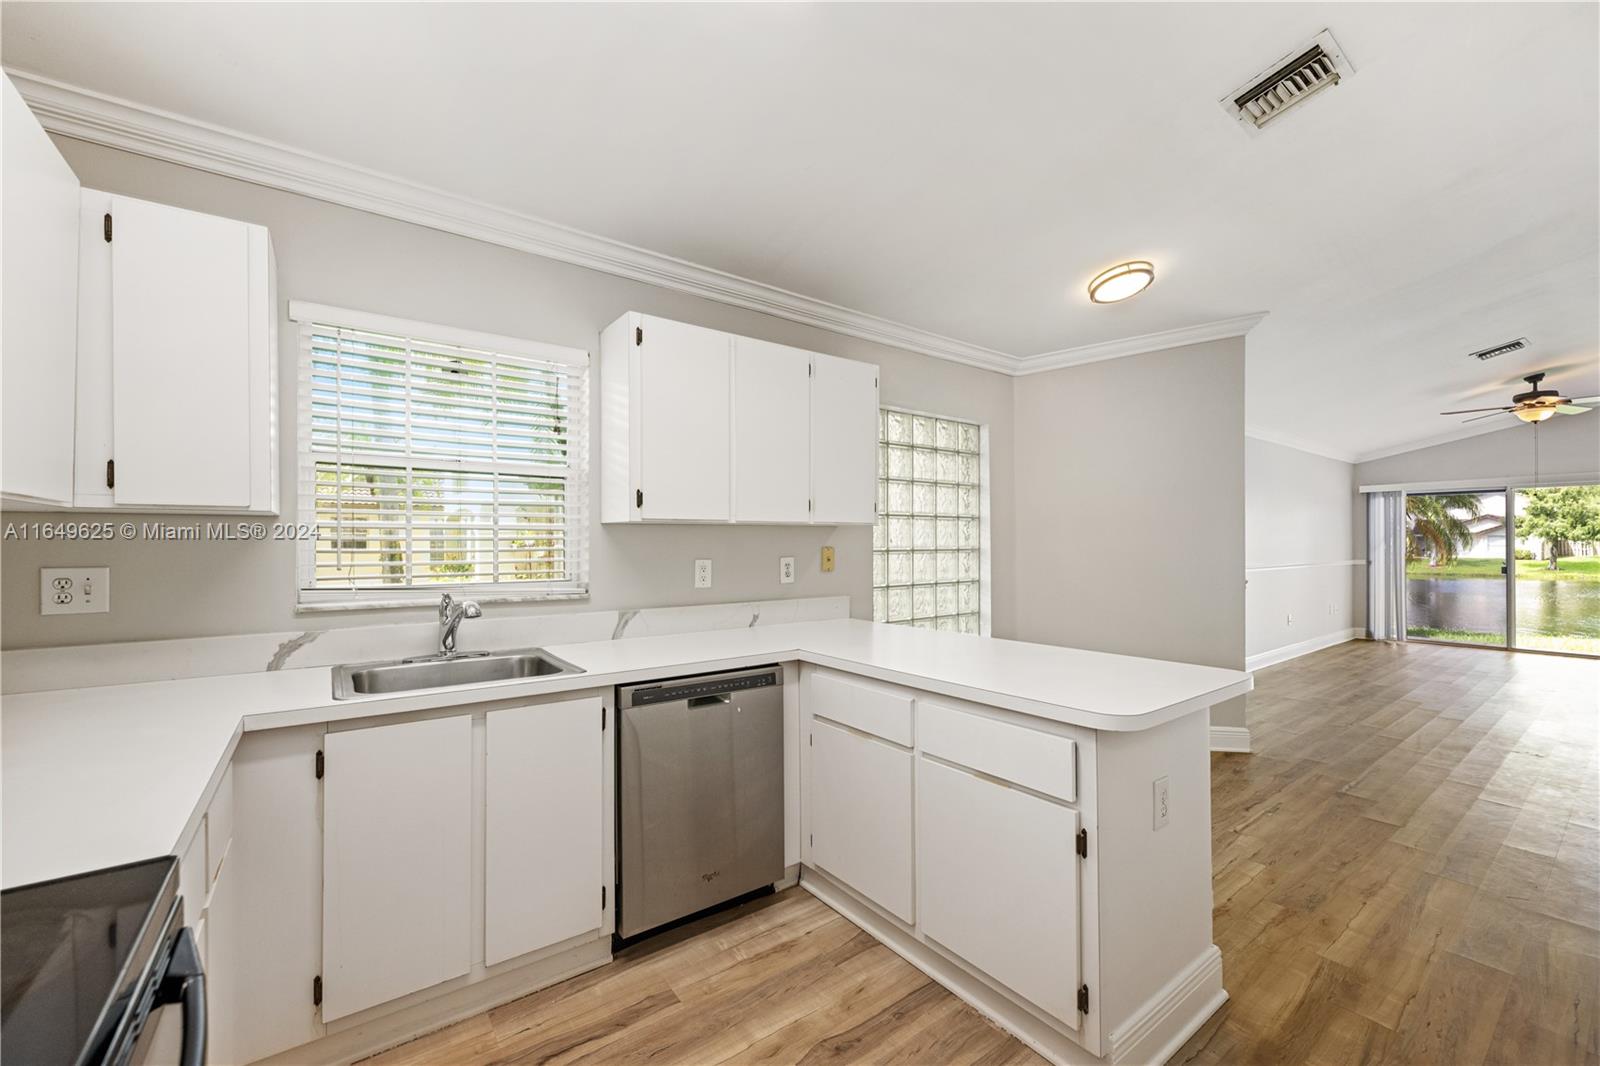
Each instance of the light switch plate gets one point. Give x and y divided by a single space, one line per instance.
1160 803
702 573
786 570
827 560
74 589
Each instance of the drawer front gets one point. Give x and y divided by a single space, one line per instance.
192 879
219 825
880 710
861 828
1039 761
998 884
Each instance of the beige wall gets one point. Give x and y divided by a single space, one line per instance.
1304 524
1129 532
347 258
1568 446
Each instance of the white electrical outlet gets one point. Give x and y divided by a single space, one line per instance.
702 573
1160 804
74 589
1288 619
786 570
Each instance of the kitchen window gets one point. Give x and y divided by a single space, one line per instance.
929 555
436 459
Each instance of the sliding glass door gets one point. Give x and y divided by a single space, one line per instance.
1557 561
1456 582
1507 568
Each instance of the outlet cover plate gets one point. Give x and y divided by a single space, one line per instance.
702 573
74 589
827 559
786 570
1160 803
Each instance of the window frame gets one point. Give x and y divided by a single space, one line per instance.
985 539
575 475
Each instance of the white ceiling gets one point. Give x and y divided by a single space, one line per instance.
966 169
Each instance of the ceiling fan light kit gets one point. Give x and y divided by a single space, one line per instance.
1121 281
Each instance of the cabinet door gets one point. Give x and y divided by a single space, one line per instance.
998 884
860 811
222 920
39 316
844 441
685 421
544 870
181 356
771 432
396 855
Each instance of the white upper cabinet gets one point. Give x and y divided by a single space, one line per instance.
703 426
177 364
38 337
844 441
771 432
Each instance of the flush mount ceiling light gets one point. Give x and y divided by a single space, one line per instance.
1121 281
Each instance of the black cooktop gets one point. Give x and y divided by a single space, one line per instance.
74 950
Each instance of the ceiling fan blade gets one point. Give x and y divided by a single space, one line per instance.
1585 399
1475 410
1572 409
1480 418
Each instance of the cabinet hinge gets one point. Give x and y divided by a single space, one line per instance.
316 991
111 473
1083 999
321 766
108 227
1083 843
638 497
638 335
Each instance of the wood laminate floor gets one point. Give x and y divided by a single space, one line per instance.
1405 872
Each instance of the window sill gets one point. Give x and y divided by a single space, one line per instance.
412 599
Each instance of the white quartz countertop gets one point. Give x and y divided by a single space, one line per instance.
93 777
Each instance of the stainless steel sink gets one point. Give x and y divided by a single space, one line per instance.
445 671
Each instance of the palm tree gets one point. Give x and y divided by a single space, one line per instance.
1437 526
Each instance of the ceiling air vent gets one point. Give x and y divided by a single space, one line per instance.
1293 80
1500 349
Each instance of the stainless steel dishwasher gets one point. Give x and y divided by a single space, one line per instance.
700 794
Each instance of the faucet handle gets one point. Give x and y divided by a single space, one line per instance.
470 609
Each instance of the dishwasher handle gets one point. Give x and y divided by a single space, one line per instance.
710 701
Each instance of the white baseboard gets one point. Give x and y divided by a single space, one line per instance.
1162 1024
1230 738
1304 647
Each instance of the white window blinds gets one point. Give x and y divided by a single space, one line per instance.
432 458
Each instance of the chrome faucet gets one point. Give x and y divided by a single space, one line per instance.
450 615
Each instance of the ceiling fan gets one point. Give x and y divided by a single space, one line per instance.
1535 405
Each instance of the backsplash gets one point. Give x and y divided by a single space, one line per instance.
90 666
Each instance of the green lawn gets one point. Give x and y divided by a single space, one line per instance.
1455 636
1536 641
1584 568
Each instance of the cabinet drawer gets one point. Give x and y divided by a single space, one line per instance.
192 876
877 709
861 829
997 884
219 825
1039 761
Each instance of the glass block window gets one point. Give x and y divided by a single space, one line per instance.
927 542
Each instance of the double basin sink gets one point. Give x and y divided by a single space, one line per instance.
445 671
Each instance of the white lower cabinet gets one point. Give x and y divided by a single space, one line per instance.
397 861
544 876
222 963
997 883
860 815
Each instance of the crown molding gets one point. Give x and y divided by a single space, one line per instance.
1284 440
1147 342
85 115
